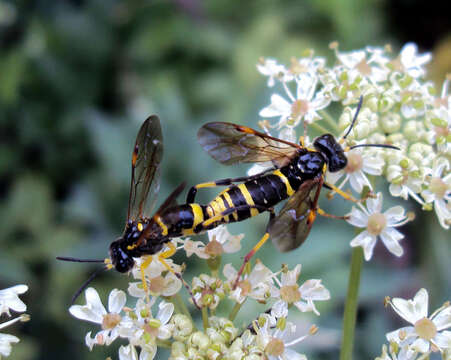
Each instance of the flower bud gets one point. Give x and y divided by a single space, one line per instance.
391 123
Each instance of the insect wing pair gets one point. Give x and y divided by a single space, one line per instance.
230 144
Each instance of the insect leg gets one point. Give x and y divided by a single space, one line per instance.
257 247
223 182
143 267
323 213
340 192
167 254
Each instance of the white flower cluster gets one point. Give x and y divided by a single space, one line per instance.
399 108
426 335
271 334
9 300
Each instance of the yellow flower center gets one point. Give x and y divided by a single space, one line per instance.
376 223
245 286
157 285
438 187
214 248
425 329
355 163
363 68
299 108
275 347
290 293
110 321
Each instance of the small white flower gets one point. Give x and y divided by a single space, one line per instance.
160 281
439 193
273 70
357 64
377 224
427 332
220 241
412 63
256 285
303 297
397 354
95 312
9 299
304 106
275 343
208 291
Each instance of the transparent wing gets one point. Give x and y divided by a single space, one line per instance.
230 143
146 159
289 229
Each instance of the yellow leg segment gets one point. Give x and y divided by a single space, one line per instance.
343 194
248 257
323 213
167 254
143 267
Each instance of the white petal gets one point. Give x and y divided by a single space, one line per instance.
229 272
367 242
5 343
135 289
93 310
128 352
443 319
390 238
443 340
165 311
314 290
148 352
116 301
358 218
412 310
358 180
443 213
290 354
172 285
279 106
279 309
375 205
89 341
394 215
93 300
420 345
407 331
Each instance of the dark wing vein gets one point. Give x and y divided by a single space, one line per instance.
289 229
146 158
230 143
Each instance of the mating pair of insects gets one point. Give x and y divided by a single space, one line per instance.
297 174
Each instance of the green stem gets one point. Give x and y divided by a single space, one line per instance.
234 311
350 312
205 317
330 120
179 304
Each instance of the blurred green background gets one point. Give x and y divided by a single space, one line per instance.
77 78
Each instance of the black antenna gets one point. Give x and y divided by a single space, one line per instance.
359 106
85 284
376 145
63 258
